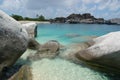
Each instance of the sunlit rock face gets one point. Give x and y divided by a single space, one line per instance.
105 51
13 40
31 29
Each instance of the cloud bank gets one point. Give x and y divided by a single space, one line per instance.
53 8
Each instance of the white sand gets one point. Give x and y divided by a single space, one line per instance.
38 22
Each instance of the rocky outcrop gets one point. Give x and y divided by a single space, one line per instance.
47 50
13 40
105 51
58 20
86 18
115 21
99 21
31 28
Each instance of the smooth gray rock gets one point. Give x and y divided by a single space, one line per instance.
13 40
48 50
105 51
31 29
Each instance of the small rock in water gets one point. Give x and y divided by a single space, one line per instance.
33 44
72 35
47 50
83 39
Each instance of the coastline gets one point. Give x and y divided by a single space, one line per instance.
37 22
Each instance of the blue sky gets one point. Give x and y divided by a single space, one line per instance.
53 8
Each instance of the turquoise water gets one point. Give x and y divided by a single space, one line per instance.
63 69
72 33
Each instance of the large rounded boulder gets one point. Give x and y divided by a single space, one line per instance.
105 51
13 40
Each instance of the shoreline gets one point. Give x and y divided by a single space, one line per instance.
37 22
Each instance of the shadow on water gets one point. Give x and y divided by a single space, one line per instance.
8 72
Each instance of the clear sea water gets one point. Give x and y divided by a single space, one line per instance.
64 33
62 69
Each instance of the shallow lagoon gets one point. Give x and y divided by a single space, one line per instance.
72 33
62 69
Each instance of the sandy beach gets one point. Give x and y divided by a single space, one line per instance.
38 22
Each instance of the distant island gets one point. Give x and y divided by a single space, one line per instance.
86 18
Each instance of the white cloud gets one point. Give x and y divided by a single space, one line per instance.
11 4
109 4
38 4
115 5
91 1
53 8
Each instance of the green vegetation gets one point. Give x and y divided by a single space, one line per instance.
17 17
42 18
38 18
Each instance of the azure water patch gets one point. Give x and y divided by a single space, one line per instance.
72 33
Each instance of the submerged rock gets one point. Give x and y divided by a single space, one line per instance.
13 40
68 52
33 44
72 35
83 38
105 51
47 50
